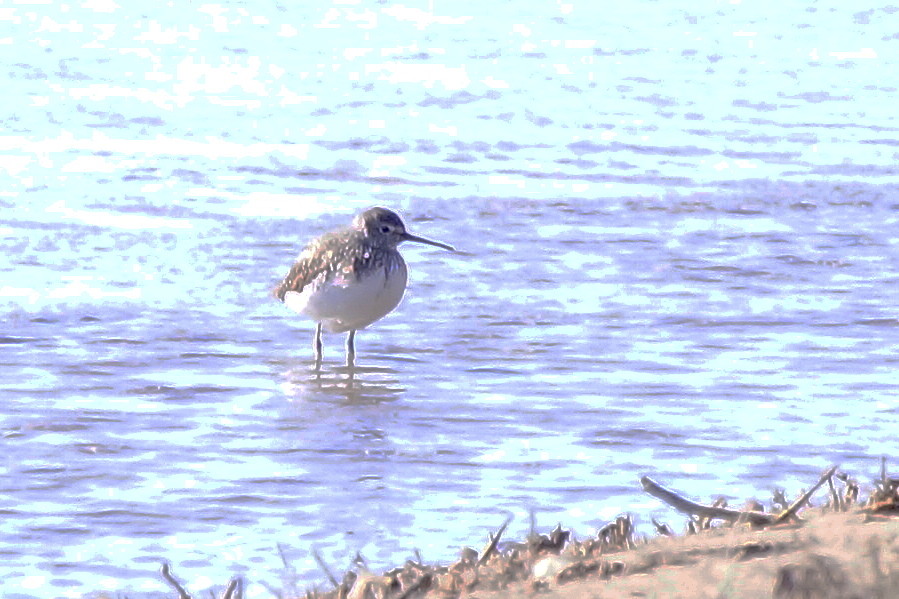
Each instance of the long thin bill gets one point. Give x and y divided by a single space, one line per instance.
417 239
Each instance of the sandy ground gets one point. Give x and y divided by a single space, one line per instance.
831 556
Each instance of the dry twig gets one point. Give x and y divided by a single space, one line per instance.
321 564
494 540
703 511
167 575
235 589
790 512
837 500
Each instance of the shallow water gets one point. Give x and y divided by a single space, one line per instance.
677 257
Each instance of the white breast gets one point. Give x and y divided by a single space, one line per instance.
343 304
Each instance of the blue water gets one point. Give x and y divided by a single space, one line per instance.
678 257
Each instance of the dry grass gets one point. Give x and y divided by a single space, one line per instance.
831 556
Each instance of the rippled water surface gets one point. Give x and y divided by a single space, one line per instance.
677 233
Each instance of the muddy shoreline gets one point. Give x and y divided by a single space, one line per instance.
847 546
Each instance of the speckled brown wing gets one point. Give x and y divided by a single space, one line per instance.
326 255
301 273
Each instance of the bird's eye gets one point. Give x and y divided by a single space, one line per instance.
385 228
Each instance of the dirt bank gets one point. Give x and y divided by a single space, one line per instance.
848 548
831 555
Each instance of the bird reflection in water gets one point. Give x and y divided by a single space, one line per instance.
349 384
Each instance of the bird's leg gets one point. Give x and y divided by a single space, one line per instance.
317 346
351 349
